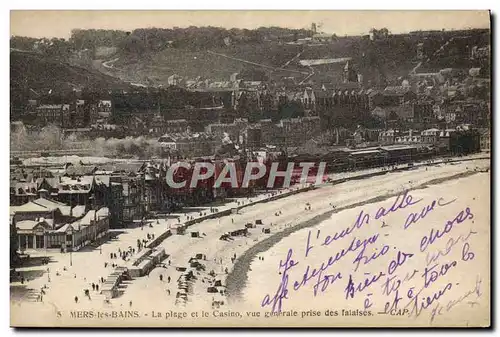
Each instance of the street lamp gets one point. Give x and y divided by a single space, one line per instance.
71 257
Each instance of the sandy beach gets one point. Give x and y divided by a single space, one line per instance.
246 279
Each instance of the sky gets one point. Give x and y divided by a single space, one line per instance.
60 23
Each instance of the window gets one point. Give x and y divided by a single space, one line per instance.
30 241
40 241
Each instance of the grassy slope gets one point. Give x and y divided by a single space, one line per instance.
30 70
393 58
191 64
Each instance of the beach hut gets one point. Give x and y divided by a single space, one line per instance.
200 256
249 225
212 290
258 222
198 266
267 230
195 234
224 237
239 232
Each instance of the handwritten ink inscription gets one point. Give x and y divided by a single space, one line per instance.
410 280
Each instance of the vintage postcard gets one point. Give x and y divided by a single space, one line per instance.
250 169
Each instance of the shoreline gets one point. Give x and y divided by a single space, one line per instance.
237 278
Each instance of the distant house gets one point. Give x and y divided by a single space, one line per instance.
175 80
379 34
423 112
430 136
379 112
397 95
388 137
322 38
53 113
190 144
234 77
309 99
375 98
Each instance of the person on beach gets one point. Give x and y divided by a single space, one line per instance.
96 287
93 286
161 277
76 299
168 279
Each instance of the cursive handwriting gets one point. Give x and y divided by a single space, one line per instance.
430 275
437 310
352 288
434 235
325 280
367 259
401 202
415 217
433 257
282 292
393 282
420 303
466 253
366 250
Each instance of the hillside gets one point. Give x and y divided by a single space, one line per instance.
41 74
378 61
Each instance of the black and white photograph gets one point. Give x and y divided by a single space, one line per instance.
232 168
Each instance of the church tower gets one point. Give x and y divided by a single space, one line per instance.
349 73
